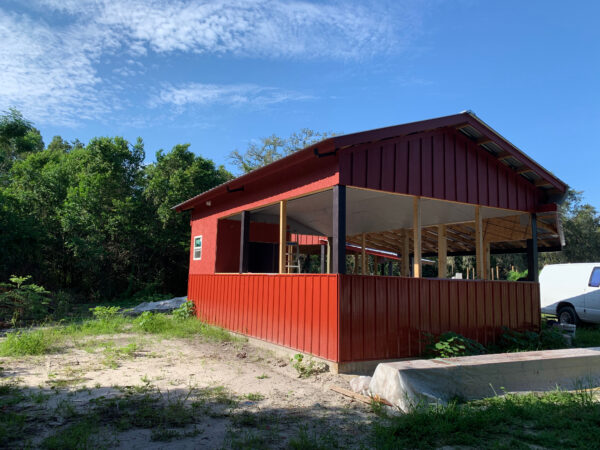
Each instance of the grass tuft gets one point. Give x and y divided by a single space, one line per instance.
25 343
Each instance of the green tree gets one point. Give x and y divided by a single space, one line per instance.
273 148
18 138
173 178
581 226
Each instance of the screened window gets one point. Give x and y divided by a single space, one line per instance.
595 278
198 247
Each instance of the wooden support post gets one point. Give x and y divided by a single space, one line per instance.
363 255
339 229
417 263
323 257
405 253
487 260
390 268
282 235
479 256
442 251
532 252
355 266
244 242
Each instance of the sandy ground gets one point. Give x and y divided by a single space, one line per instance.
273 404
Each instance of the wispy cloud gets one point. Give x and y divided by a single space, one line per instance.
54 70
235 94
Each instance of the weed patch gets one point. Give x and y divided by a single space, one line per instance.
552 420
25 343
306 368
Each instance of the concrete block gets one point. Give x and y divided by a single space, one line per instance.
410 384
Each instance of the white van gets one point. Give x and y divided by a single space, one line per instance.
571 291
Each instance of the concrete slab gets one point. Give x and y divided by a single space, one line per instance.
410 384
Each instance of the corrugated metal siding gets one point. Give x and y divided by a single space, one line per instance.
386 317
297 311
441 164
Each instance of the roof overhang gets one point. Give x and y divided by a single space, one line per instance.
467 122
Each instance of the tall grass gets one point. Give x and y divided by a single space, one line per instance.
50 339
23 343
557 419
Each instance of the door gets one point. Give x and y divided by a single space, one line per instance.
592 297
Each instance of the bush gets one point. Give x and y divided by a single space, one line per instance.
22 301
516 341
451 344
105 313
153 323
515 275
185 311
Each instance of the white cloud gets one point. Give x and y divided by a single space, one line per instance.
235 94
53 72
265 28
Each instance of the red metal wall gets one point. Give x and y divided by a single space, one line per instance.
297 311
440 164
386 317
347 318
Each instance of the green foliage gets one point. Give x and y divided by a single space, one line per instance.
185 311
581 227
551 420
587 337
450 344
273 148
515 341
515 275
21 301
26 343
105 313
93 219
307 368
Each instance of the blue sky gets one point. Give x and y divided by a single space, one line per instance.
222 74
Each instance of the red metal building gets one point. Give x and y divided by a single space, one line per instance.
399 195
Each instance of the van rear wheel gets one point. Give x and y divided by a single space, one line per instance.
567 314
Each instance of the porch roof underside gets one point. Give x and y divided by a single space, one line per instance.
385 219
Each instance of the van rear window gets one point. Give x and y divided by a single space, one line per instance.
595 278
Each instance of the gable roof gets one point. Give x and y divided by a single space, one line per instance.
466 122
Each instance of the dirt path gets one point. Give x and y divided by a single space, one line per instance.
242 396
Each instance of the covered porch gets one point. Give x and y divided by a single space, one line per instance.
352 230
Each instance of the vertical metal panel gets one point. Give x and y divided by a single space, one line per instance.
450 168
405 309
414 164
374 167
276 308
426 166
439 183
388 163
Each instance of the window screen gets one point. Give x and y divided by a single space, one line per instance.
595 278
198 247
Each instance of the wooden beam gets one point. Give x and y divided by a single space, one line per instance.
405 253
487 260
483 140
339 230
503 155
539 183
480 263
282 234
417 263
523 170
244 242
323 258
363 256
442 251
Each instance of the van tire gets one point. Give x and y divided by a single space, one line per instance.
567 314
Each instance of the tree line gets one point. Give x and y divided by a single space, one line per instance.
95 221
